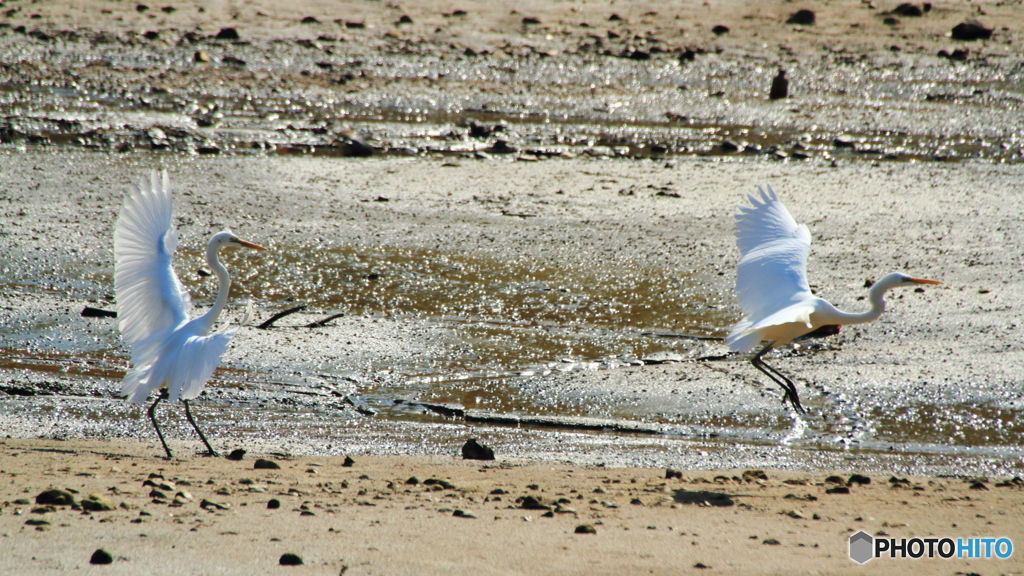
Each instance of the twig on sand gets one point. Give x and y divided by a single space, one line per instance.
322 323
270 321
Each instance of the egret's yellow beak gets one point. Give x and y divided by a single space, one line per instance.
247 244
923 281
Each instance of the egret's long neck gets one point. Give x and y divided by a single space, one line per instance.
877 298
223 286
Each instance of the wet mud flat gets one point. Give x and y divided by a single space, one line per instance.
546 336
541 81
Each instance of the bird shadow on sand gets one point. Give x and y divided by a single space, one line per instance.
704 498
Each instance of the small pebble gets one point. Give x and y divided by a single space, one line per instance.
289 559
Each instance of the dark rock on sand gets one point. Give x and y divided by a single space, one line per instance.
56 496
971 30
802 17
780 86
289 559
473 450
97 503
227 34
908 9
585 529
101 556
264 464
273 504
236 454
531 503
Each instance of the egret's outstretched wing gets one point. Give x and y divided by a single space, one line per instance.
772 273
183 367
150 299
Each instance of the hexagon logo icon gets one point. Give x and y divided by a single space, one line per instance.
861 547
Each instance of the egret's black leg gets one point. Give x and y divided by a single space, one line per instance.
779 378
188 414
152 417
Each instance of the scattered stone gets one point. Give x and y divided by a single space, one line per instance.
263 464
971 30
802 18
636 502
529 21
97 503
56 496
36 522
206 504
959 55
463 514
404 19
289 559
977 485
310 20
670 473
754 475
502 147
719 30
351 144
701 566
890 21
273 504
585 529
532 503
908 9
835 480
858 479
838 490
728 146
227 34
771 542
780 86
444 484
101 556
473 450
348 462
412 481
236 454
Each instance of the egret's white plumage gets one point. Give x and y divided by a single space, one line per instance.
169 350
772 289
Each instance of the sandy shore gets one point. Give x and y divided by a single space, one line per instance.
203 515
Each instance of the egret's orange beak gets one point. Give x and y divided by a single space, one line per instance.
923 281
248 244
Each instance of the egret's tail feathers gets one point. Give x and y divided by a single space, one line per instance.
135 386
742 339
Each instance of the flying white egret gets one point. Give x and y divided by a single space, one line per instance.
772 288
169 351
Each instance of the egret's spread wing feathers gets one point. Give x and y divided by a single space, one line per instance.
772 273
184 367
746 334
150 298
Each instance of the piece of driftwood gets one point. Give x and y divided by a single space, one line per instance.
90 312
322 323
270 321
